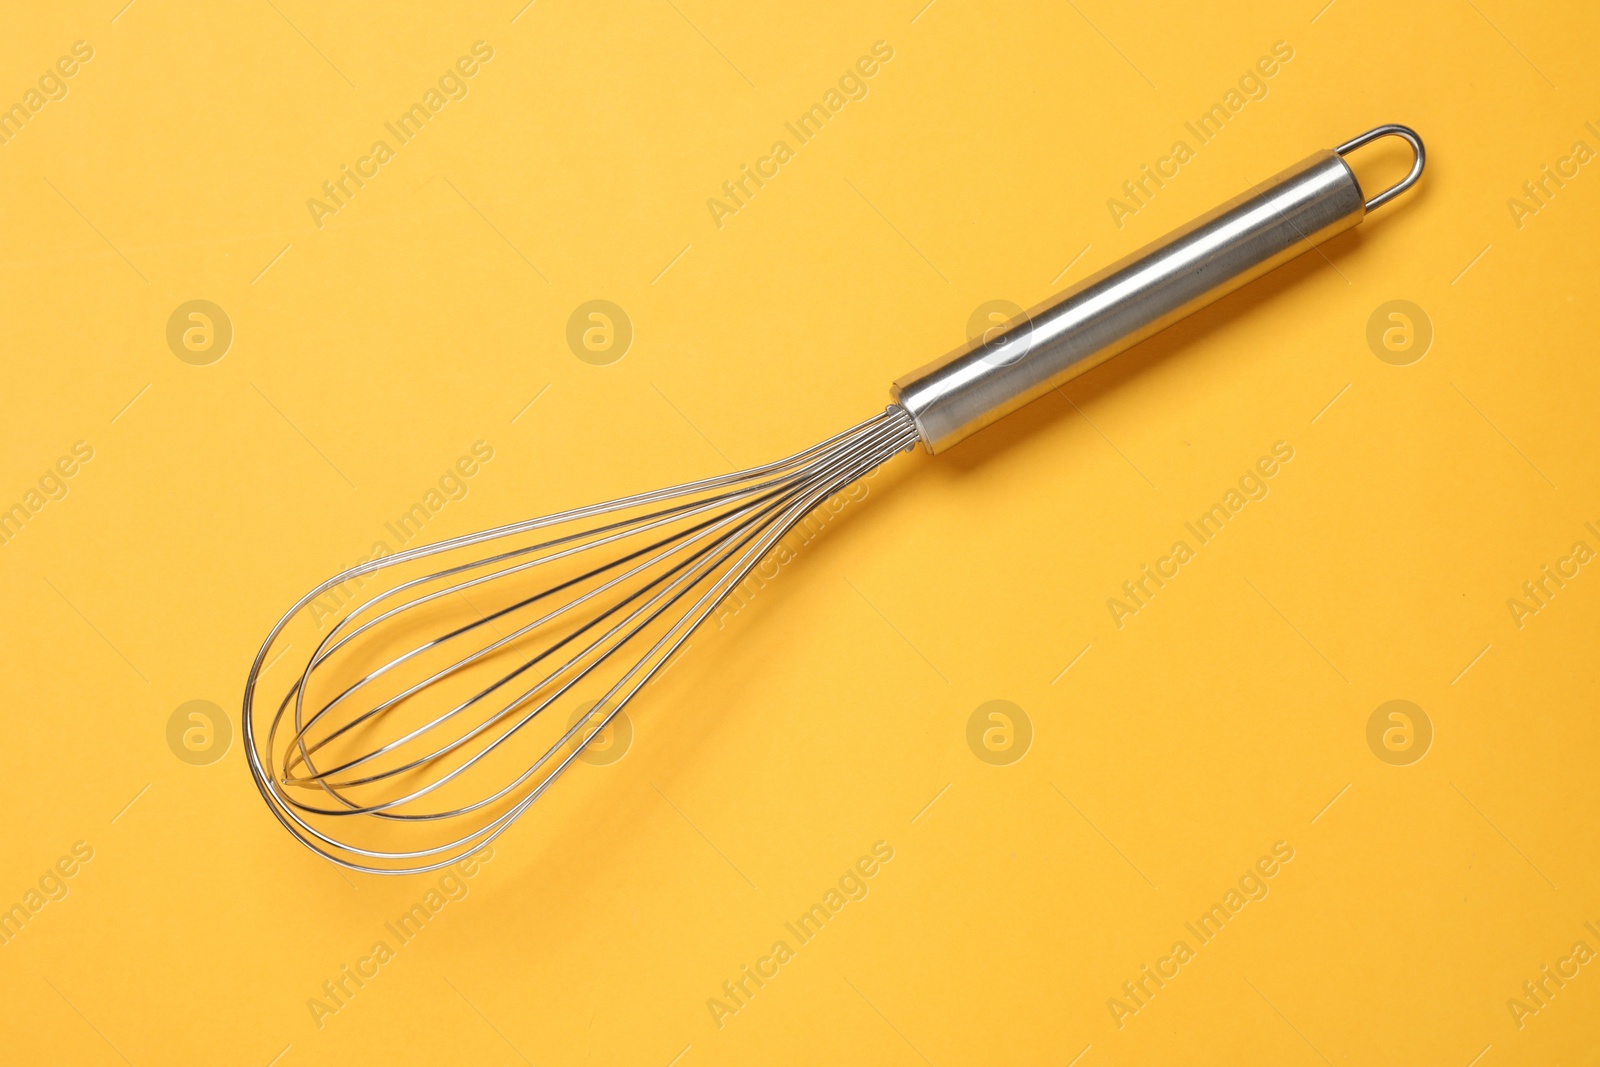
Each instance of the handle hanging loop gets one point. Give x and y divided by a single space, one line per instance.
1406 134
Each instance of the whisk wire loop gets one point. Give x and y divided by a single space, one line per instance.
357 759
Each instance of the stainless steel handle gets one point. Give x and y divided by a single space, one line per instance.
1142 294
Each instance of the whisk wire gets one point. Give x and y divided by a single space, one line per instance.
699 531
700 540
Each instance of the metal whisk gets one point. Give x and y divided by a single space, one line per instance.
419 726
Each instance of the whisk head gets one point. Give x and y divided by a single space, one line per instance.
428 709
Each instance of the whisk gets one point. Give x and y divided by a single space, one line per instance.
417 727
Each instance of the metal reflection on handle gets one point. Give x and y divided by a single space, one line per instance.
1142 294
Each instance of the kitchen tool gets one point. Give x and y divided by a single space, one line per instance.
417 727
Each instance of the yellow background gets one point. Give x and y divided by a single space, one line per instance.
371 352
